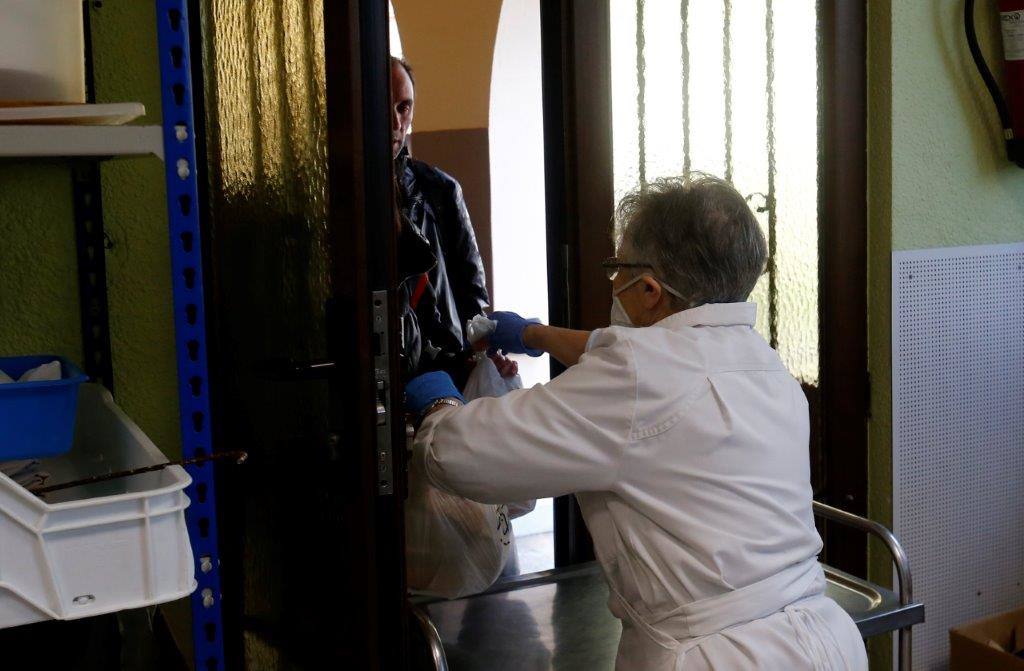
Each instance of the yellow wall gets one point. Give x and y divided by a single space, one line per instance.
450 46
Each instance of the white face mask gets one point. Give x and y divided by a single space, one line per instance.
619 316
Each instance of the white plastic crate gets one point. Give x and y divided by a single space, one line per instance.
98 548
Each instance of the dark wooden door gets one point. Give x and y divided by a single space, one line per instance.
299 210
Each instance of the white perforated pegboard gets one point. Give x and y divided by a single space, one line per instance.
958 434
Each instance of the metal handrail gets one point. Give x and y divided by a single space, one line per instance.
899 557
433 638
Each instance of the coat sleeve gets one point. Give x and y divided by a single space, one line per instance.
565 436
462 258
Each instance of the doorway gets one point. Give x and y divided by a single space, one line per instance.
498 157
520 280
771 96
313 440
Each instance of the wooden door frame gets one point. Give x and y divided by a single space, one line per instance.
842 298
580 197
370 608
575 36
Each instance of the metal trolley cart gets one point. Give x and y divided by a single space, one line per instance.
561 615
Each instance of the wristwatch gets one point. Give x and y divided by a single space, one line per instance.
455 403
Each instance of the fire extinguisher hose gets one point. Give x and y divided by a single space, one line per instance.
990 82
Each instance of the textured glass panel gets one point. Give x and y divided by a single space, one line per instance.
747 111
268 163
662 95
625 148
267 169
749 121
706 88
796 185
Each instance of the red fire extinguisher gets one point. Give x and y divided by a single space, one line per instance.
1011 107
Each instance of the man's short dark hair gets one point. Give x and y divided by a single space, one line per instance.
395 60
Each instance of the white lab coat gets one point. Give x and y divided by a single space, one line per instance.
687 445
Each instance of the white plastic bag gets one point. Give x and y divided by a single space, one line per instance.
485 381
48 372
454 546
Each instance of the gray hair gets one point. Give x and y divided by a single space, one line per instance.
699 236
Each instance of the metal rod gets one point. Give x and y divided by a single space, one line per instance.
182 168
90 246
727 88
684 38
641 88
899 558
433 638
238 455
773 289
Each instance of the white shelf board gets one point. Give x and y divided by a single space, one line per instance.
45 141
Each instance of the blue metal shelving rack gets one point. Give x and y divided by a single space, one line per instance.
84 146
190 323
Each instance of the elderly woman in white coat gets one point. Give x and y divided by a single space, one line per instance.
684 438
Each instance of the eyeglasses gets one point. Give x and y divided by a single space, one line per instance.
612 266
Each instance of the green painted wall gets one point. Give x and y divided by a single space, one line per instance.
937 178
951 183
38 282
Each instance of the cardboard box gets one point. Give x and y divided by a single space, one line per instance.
974 645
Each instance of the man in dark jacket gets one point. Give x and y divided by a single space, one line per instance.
443 284
433 217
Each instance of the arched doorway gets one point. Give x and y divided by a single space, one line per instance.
518 225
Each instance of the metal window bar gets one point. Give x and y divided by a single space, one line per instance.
727 88
190 323
773 291
770 196
684 37
641 91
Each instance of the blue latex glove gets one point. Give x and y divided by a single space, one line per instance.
424 389
508 335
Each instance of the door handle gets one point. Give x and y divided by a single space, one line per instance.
285 369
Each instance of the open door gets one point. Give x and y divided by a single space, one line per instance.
769 96
303 264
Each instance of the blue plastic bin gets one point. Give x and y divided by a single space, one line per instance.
37 419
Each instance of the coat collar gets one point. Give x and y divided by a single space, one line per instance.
712 314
